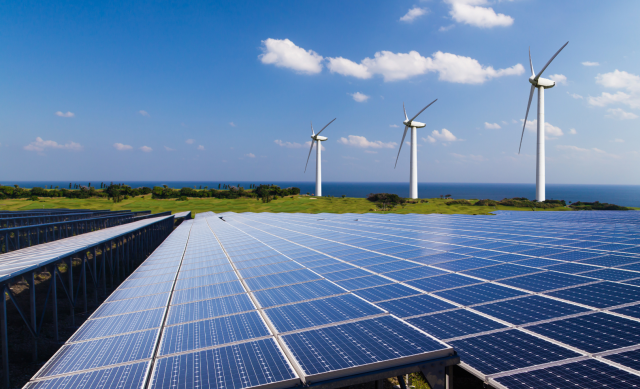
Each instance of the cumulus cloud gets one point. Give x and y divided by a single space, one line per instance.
394 125
168 148
144 113
285 54
39 145
550 131
347 67
619 113
201 147
573 131
446 28
289 145
189 141
146 149
618 80
588 63
359 97
492 126
413 14
559 78
475 13
250 155
122 147
575 95
444 135
362 142
617 98
65 115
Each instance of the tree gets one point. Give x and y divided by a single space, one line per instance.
218 186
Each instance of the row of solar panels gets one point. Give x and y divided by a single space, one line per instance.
212 307
506 307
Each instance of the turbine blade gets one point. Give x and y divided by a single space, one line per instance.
312 132
401 143
423 110
531 63
305 166
525 116
552 58
405 112
325 126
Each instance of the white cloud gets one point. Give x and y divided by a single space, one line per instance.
573 131
359 97
619 80
618 140
122 147
146 149
550 131
347 67
65 115
450 67
144 113
445 135
189 141
413 14
575 95
232 124
492 126
472 13
588 63
362 142
394 125
446 28
39 145
618 98
586 153
201 147
168 148
250 155
288 145
472 157
285 54
559 78
619 113
505 122
429 139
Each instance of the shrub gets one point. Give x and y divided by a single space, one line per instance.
34 198
486 202
456 202
182 198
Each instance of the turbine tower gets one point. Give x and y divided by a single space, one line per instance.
413 189
541 84
316 138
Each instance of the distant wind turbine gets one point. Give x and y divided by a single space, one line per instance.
316 138
541 84
413 187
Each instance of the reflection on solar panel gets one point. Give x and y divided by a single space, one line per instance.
256 295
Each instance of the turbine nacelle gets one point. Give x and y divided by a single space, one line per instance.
543 82
415 124
319 138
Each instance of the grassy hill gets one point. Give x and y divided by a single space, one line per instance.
303 204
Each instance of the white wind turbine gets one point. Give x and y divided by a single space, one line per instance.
541 84
413 189
316 138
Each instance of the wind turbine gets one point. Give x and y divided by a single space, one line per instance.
541 84
317 138
413 188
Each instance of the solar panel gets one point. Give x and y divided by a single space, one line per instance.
455 323
529 309
126 376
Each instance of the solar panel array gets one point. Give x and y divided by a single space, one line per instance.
528 299
214 307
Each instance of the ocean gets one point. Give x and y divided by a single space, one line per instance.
626 195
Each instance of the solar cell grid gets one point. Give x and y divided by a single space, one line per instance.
446 281
386 292
414 306
455 323
481 293
549 280
600 295
501 271
466 264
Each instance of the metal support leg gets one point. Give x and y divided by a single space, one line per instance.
54 279
95 275
32 305
435 376
379 384
73 301
5 338
403 385
449 377
84 281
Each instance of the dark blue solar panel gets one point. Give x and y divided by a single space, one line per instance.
392 266
415 273
364 282
501 271
612 274
546 281
415 305
610 260
466 264
589 373
629 359
114 325
508 350
209 308
206 292
127 376
572 268
210 279
601 295
633 311
509 257
332 268
386 292
574 255
538 262
634 267
298 292
592 333
212 332
322 262
236 366
320 312
456 323
529 309
281 279
347 274
103 352
122 294
205 271
131 305
415 253
476 294
356 344
446 281
269 269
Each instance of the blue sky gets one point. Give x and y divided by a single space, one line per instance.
185 91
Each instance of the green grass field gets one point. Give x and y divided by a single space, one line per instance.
303 204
